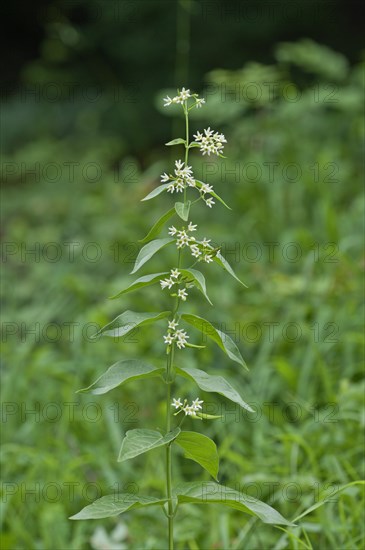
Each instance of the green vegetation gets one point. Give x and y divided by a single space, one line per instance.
292 177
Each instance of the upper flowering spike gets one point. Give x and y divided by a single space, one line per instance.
182 97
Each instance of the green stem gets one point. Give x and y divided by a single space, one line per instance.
169 365
187 141
170 513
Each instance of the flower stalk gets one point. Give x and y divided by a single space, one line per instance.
180 282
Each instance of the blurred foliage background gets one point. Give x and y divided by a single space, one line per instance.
83 128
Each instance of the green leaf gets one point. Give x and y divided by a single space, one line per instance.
121 372
146 280
137 442
213 384
201 449
194 144
176 141
205 416
155 192
224 341
198 279
113 505
129 320
156 228
208 492
214 194
223 263
149 250
183 210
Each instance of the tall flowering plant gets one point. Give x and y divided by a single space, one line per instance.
179 280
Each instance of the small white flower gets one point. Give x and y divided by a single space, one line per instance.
195 251
182 294
192 227
199 102
168 339
208 258
167 283
196 404
205 242
209 202
167 101
180 333
165 178
179 183
182 338
172 230
179 164
206 188
175 273
183 96
171 188
176 403
189 411
173 324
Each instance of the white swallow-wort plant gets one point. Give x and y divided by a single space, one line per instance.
178 280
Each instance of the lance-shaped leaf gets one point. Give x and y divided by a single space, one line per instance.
137 442
149 250
177 141
224 341
183 210
113 505
146 280
201 449
214 194
156 228
213 384
128 321
196 277
208 492
156 191
121 372
223 263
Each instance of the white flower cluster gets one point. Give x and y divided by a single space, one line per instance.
174 280
183 178
204 189
175 335
189 410
183 96
198 249
210 142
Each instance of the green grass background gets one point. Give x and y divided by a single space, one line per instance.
306 378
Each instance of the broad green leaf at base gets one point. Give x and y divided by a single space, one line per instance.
113 505
208 492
